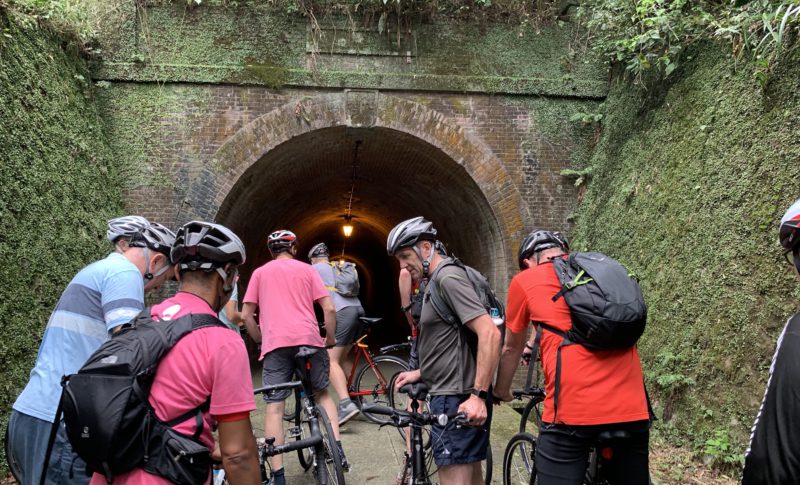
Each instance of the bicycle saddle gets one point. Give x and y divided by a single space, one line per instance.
618 434
306 352
368 321
417 390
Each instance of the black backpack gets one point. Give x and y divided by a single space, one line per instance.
109 420
480 284
606 304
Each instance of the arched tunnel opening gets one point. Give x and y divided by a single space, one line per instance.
304 185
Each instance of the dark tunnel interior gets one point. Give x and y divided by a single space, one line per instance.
304 185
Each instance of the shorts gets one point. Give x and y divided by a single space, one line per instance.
348 325
562 452
27 443
458 446
280 367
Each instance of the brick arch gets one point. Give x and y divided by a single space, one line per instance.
435 169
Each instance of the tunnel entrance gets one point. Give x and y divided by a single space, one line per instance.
304 183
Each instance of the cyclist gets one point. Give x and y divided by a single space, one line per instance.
101 297
285 290
208 363
456 361
773 455
348 329
599 390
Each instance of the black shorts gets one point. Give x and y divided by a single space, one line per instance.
458 446
562 452
348 325
280 367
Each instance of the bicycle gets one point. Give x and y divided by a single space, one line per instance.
523 470
312 430
369 384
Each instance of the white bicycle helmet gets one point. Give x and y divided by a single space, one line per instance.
320 250
281 240
206 246
125 226
156 237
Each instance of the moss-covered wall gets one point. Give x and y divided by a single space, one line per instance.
58 188
690 181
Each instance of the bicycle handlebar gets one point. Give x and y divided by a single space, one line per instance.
533 392
405 418
278 387
394 347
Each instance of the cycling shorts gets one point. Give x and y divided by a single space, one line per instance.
280 367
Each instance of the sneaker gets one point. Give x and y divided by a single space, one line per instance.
347 412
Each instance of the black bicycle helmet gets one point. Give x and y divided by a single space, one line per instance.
320 250
125 226
789 232
540 240
206 246
281 240
408 233
439 247
156 237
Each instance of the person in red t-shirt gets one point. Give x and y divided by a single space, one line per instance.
599 390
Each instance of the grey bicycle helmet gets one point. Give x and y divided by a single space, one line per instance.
320 250
789 232
408 233
439 247
156 237
125 226
281 240
206 246
540 240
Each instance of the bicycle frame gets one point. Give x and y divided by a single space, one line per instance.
362 349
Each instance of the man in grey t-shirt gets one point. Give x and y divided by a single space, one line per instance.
348 329
457 360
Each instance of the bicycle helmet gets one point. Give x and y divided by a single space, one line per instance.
408 233
319 250
125 226
789 231
156 237
206 246
540 240
439 247
281 240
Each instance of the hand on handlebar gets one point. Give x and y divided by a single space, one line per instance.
474 410
502 396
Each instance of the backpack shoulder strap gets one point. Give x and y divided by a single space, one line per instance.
440 304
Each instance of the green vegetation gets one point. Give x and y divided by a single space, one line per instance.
58 189
689 180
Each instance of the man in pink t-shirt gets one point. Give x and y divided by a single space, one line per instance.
210 362
285 290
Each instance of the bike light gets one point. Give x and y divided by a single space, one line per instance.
607 453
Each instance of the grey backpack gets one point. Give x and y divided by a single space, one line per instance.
345 278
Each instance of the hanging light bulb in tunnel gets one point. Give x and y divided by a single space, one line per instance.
347 229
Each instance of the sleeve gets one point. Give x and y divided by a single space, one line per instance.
318 289
251 295
122 297
459 293
517 314
232 388
235 293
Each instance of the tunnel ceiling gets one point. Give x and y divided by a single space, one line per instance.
304 183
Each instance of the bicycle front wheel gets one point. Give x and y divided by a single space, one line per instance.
375 385
531 418
331 468
518 461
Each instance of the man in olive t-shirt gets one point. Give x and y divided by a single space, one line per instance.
457 360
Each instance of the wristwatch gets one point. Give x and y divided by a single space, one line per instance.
480 393
406 308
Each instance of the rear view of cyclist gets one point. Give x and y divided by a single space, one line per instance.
773 456
100 298
599 390
348 329
285 290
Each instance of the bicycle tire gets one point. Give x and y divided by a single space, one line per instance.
518 460
531 417
486 466
333 461
301 422
382 393
13 466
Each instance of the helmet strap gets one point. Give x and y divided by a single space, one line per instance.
226 289
426 262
